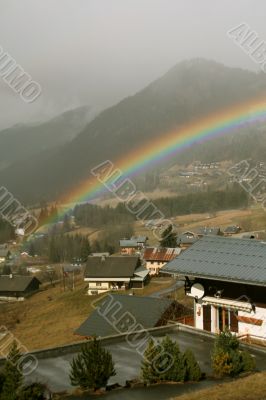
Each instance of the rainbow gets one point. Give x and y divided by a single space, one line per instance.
170 143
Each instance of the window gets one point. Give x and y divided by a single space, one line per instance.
98 284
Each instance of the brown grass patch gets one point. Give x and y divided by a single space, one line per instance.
50 317
252 387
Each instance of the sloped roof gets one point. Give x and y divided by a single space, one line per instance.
232 229
208 230
140 239
111 267
140 274
222 258
128 243
161 253
146 311
18 283
187 238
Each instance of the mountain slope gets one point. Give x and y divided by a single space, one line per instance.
23 141
189 91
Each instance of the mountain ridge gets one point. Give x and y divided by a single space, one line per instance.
188 91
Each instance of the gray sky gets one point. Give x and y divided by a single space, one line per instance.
96 52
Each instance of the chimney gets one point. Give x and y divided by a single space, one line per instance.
11 276
103 258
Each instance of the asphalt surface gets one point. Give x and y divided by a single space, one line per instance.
55 371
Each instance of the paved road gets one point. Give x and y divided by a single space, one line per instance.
164 292
54 372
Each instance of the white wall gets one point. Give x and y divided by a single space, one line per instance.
154 266
251 329
198 313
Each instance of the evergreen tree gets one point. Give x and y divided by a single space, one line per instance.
6 270
148 371
168 237
13 377
92 368
85 250
192 368
32 250
66 224
54 255
227 358
2 381
164 362
34 391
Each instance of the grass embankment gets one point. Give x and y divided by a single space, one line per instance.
50 317
252 387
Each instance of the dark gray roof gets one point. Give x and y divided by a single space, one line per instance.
18 283
232 229
186 239
111 267
147 311
128 243
225 259
208 230
140 239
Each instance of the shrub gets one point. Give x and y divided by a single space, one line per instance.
34 391
12 374
149 372
221 364
248 362
227 358
192 368
165 362
2 381
92 368
172 364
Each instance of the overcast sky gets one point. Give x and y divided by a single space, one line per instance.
96 52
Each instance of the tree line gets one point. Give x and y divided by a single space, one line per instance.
59 248
95 216
203 202
210 201
7 231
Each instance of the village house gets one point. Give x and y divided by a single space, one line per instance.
133 245
208 230
17 287
186 239
157 257
118 313
114 273
232 230
227 279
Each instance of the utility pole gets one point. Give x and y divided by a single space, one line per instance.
73 281
64 282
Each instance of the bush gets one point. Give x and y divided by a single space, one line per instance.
227 358
171 361
192 368
34 391
164 362
2 381
12 374
248 362
149 372
92 368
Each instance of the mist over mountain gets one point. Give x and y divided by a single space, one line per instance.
23 141
189 91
